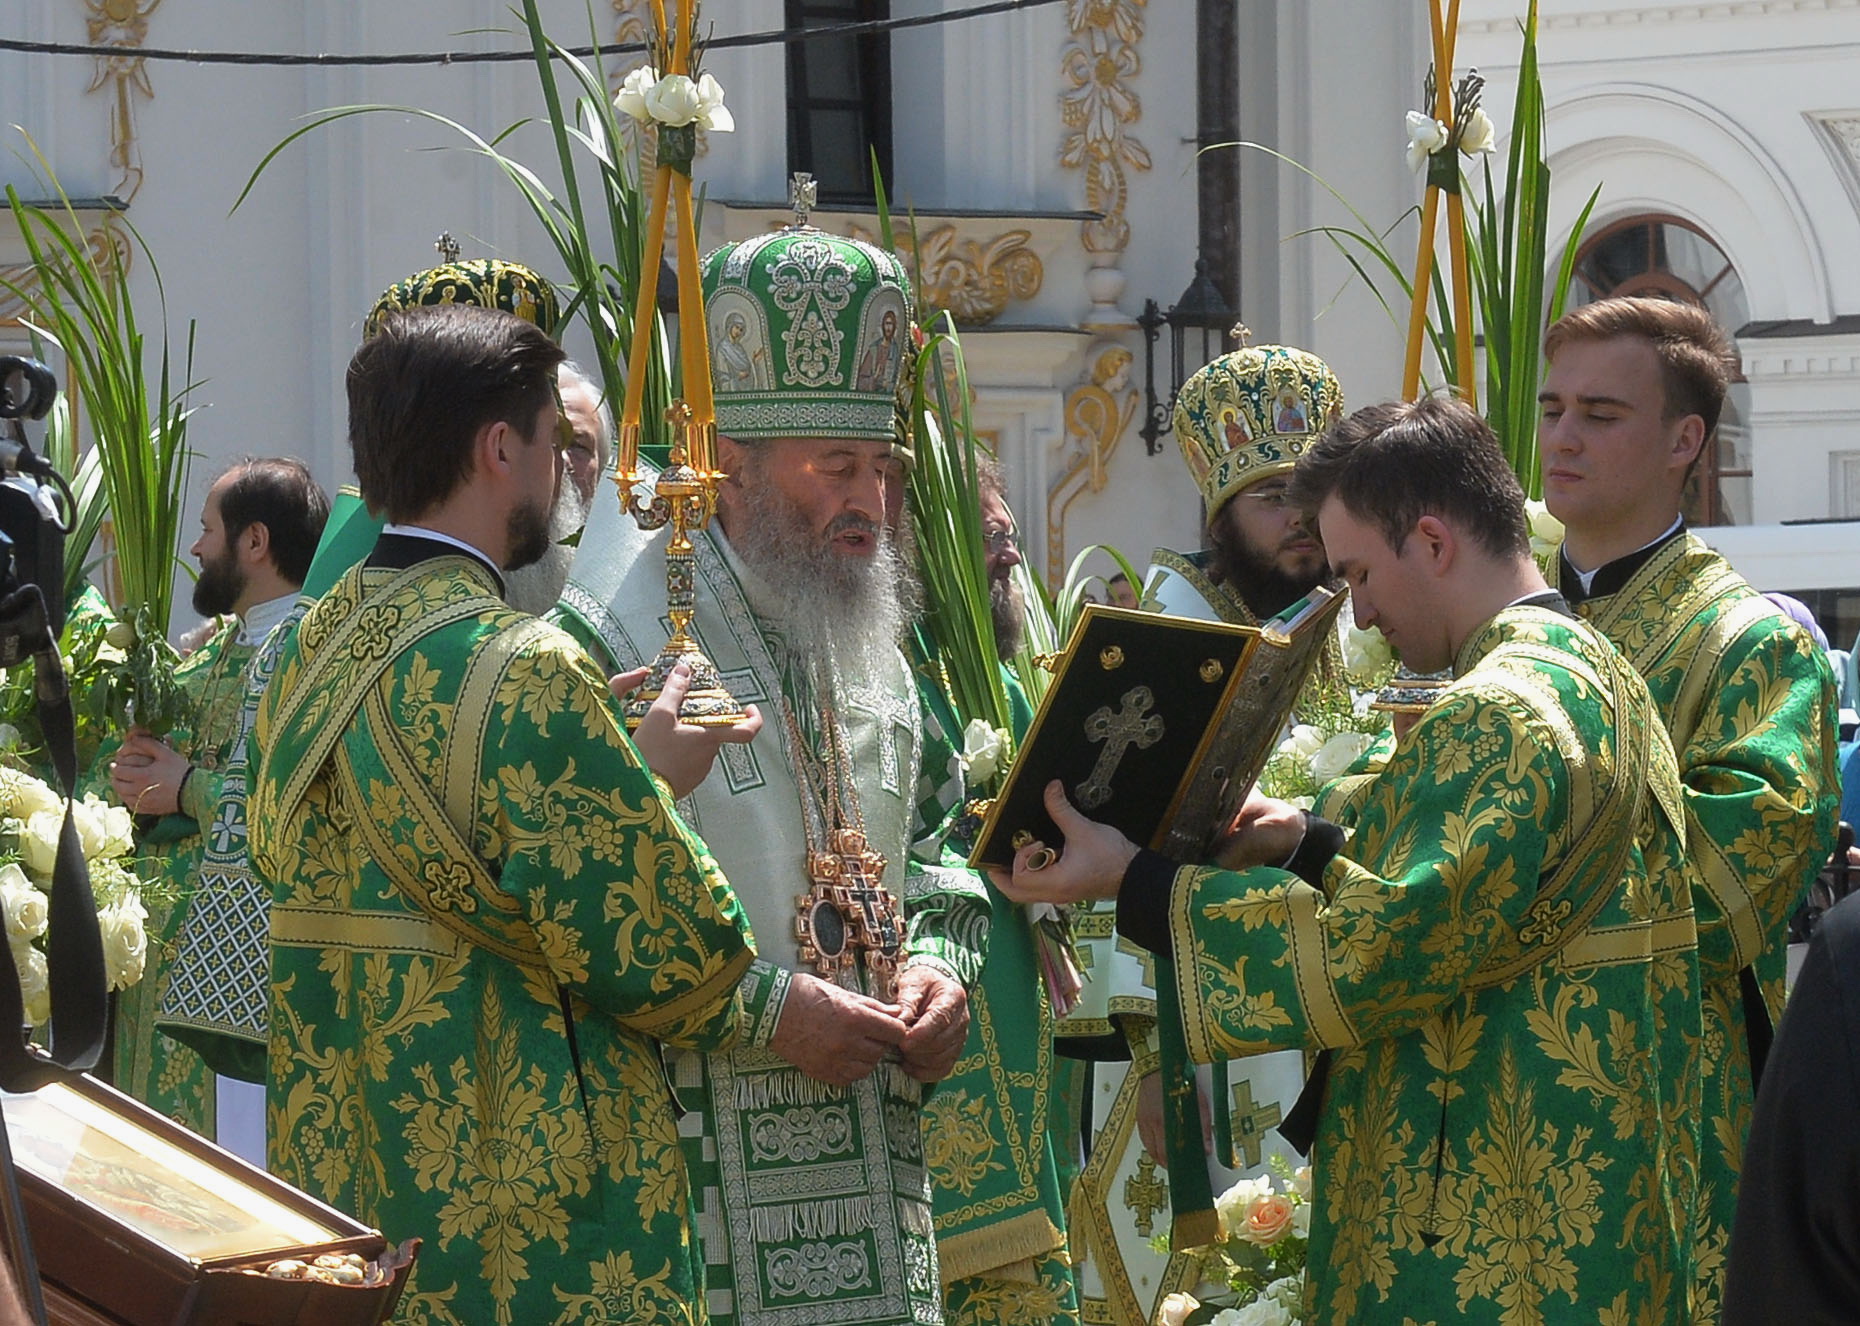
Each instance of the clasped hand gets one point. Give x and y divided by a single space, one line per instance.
146 774
839 1036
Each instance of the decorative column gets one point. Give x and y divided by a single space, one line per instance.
1098 106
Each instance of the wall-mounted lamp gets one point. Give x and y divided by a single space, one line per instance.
1198 323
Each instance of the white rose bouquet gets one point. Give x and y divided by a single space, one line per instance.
1259 1262
1322 748
31 816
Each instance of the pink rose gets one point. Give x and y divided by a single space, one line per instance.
1268 1219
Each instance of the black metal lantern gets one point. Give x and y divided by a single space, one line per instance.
1198 325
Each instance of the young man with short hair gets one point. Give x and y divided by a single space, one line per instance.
1632 398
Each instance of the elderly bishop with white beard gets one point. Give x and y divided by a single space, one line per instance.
805 1143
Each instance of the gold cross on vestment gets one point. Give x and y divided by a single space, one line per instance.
1249 1124
1131 725
1145 1194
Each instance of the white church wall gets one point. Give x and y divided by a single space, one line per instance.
1738 119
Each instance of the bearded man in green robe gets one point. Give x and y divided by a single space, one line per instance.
807 1136
217 998
1633 395
1499 967
1000 1140
487 920
258 528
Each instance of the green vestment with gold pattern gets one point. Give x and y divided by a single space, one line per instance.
814 1200
1000 1208
1749 702
150 1065
1504 965
486 923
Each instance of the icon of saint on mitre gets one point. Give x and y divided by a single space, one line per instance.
1290 416
1239 431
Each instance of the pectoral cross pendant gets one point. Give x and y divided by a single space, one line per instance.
849 914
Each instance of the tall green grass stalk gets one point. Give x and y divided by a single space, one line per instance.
79 300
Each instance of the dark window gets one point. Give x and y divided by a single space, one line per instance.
1666 258
839 99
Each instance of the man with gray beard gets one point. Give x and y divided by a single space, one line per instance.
589 430
805 1143
1001 544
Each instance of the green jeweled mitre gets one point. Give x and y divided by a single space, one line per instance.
479 283
809 335
1250 415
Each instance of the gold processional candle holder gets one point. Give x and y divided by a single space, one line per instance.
685 492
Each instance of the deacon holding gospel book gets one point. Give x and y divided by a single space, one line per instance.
1499 971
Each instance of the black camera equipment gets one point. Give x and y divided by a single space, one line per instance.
36 509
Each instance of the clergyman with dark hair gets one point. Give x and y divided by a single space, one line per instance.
1631 401
258 528
1502 908
488 920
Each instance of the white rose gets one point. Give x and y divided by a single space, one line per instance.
1301 1220
27 909
674 100
1366 655
1301 1182
38 841
1232 1205
712 114
631 98
1287 1291
1174 1309
89 825
1426 135
1546 529
1338 754
1261 1311
105 829
34 983
1477 135
1302 743
22 795
125 941
981 750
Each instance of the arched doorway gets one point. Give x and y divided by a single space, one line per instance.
1664 257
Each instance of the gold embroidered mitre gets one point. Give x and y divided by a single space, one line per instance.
1251 414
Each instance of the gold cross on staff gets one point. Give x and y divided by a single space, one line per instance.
446 247
1145 1194
1445 31
1131 725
